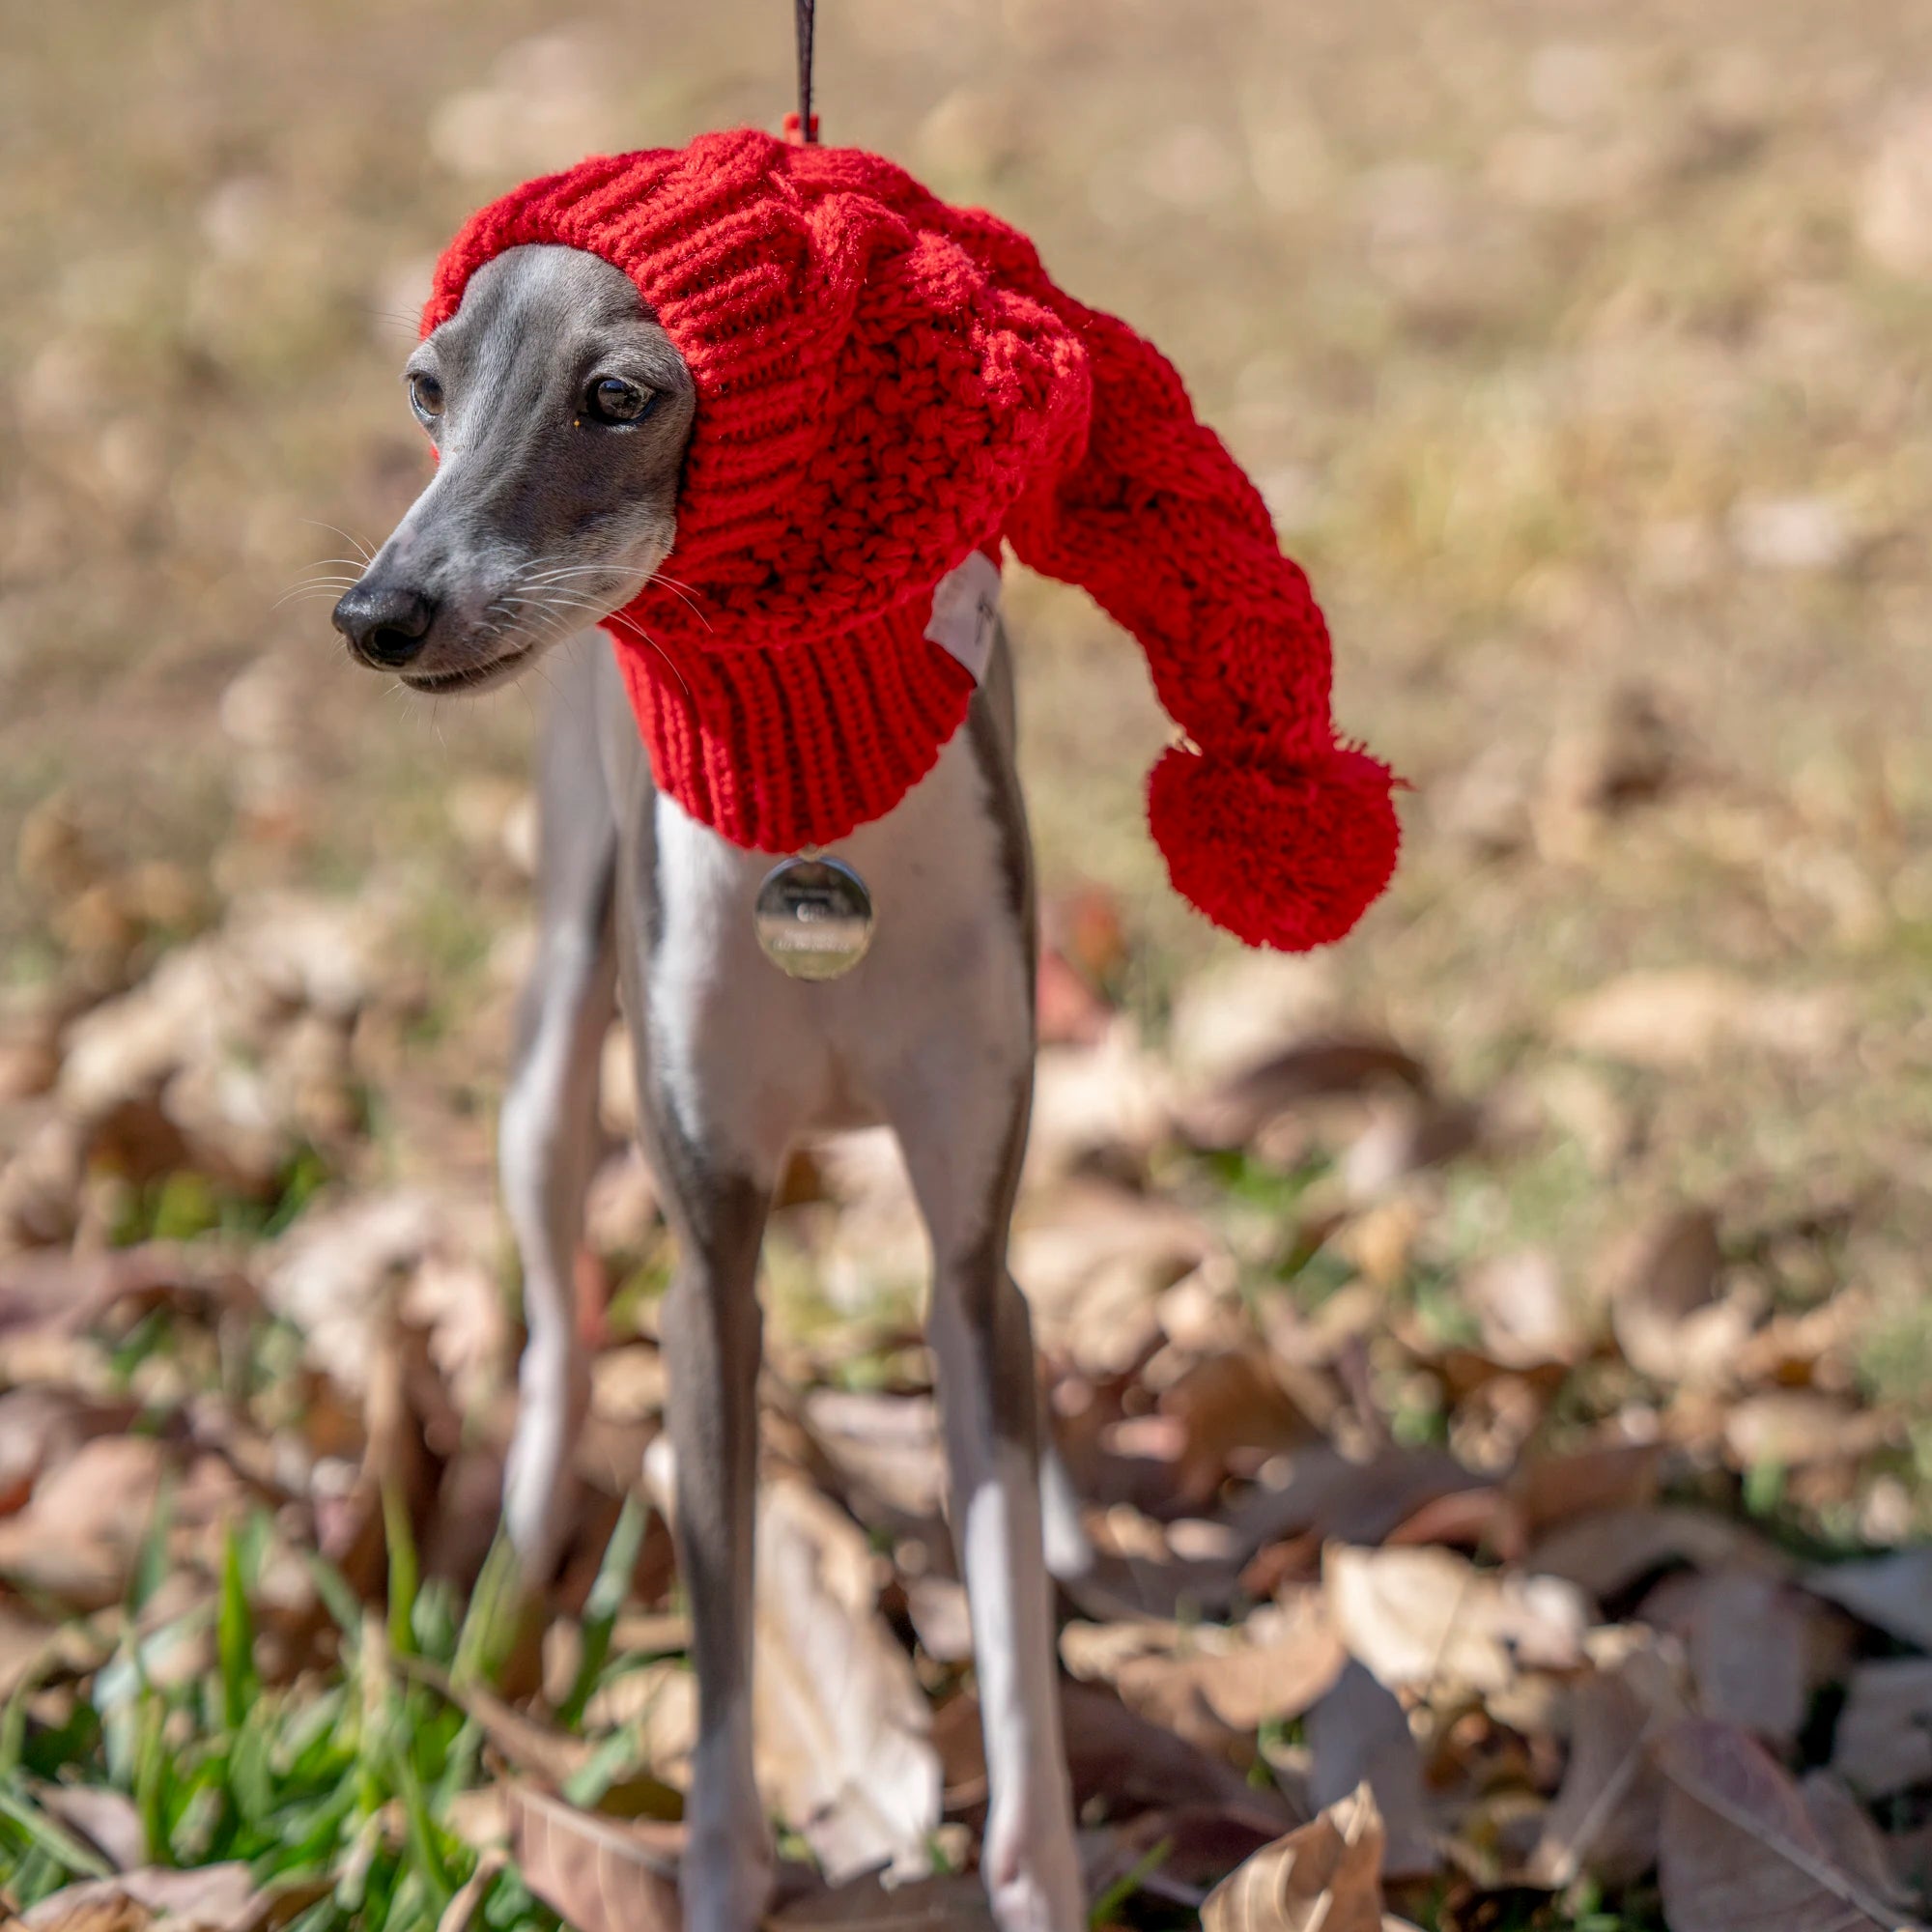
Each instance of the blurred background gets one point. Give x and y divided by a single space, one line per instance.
1584 351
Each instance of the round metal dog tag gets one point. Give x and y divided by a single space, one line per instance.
814 917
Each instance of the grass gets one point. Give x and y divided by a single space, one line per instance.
335 1790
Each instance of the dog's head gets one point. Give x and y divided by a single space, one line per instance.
560 411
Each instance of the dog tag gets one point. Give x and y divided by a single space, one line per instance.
814 917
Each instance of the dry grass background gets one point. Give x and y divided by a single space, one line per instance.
1582 349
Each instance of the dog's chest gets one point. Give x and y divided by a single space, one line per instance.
750 1058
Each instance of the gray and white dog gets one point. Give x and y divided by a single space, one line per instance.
561 411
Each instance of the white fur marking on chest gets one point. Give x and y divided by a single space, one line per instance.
966 612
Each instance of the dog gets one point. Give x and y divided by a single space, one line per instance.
560 411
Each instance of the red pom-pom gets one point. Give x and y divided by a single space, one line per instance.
1287 855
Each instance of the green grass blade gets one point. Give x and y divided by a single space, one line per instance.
602 1606
235 1638
404 1575
49 1835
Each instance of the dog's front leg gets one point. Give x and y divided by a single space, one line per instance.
711 1331
547 1134
982 1337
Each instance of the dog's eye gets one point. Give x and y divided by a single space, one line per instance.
612 400
425 396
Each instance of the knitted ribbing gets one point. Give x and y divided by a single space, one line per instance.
885 383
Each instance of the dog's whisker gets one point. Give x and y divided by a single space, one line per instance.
678 591
349 537
327 592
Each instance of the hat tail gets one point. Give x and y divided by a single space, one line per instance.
1270 825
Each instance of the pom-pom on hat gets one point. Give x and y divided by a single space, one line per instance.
886 384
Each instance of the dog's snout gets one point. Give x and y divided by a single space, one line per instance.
385 625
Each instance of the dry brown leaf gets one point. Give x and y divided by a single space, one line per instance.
886 1448
843 1732
1665 1308
954 1903
109 1820
210 1899
1094 1261
942 1618
1682 1016
1606 1815
1790 1429
1325 1876
1115 1753
1238 1011
1326 1494
1608 1553
1226 1402
1551 1488
78 1539
1423 1615
1750 1646
1884 1737
1856 1845
332 1273
26 1645
1525 1316
1205 1681
597 1874
1357 1734
1405 1135
1088 1099
1234 1111
1891 1593
1738 1847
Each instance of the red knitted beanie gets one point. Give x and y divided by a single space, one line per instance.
886 384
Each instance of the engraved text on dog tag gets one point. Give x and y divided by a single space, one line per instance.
814 917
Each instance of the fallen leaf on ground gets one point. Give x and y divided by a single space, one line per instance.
954 1903
210 1898
887 1446
1682 1016
1239 1677
1739 1849
107 1819
1891 1593
1666 1311
1524 1315
1325 1876
1749 1643
843 1732
1223 1402
1551 1489
1357 1734
1606 1815
1884 1738
79 1537
1607 1553
1856 1845
1791 1429
1112 1752
1088 1099
1423 1615
1233 1112
1326 1494
597 1874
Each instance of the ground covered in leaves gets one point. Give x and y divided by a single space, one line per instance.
1494 1357
1422 1581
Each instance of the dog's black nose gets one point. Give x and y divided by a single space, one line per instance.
384 625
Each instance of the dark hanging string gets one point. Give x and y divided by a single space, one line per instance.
807 128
